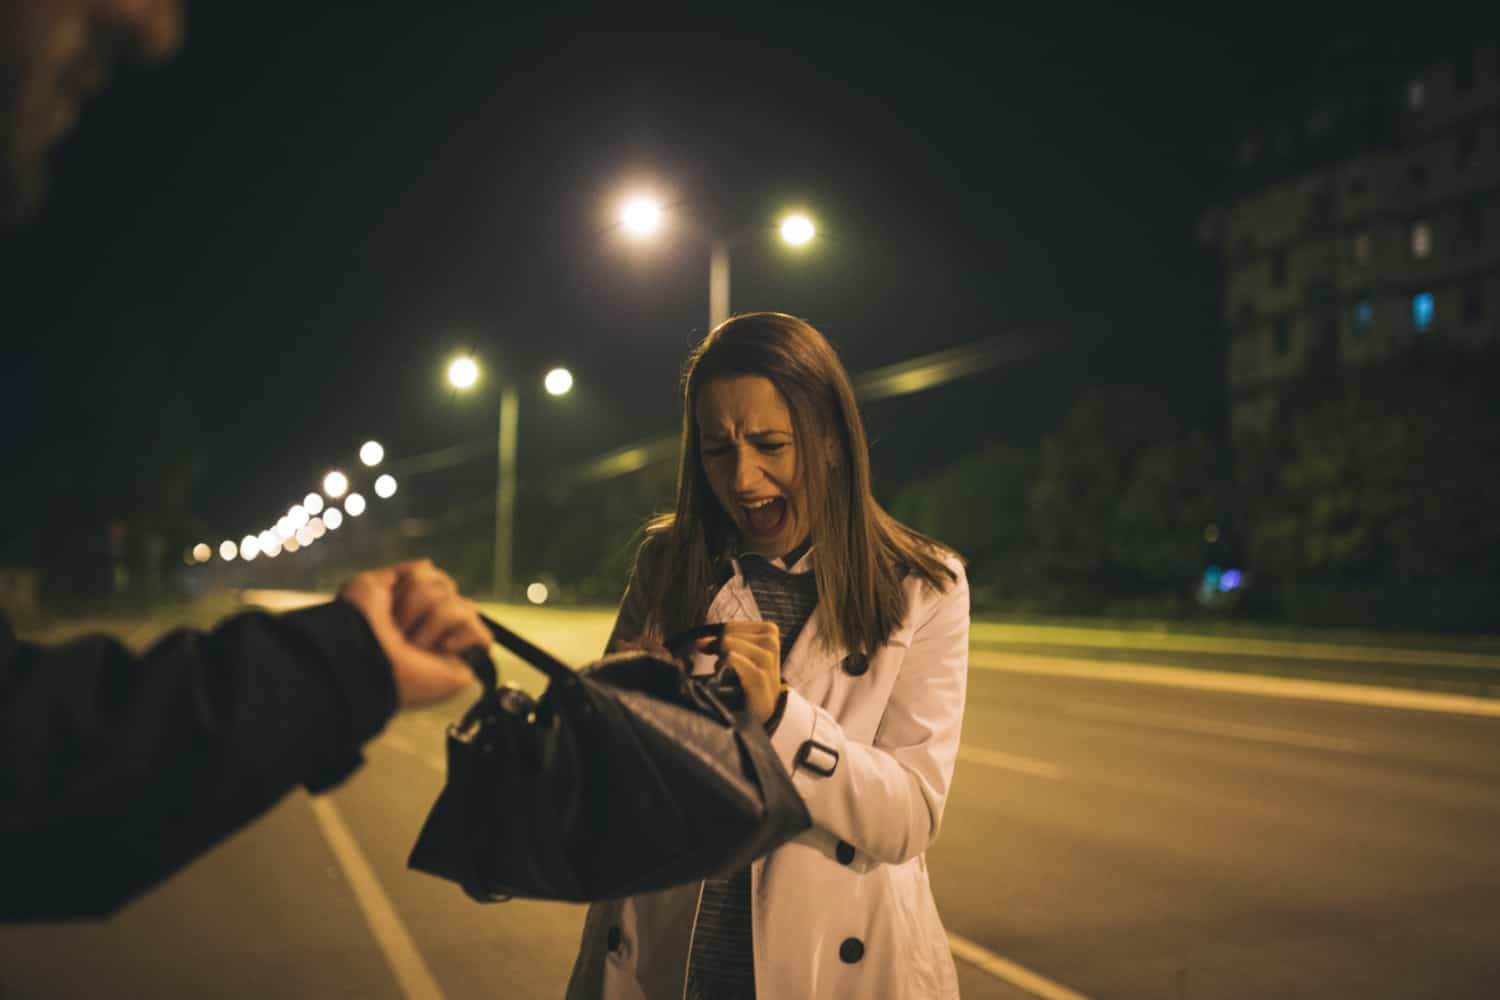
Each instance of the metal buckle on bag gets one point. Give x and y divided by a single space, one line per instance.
804 758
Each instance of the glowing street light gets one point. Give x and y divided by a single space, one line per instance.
313 503
641 216
317 527
228 550
558 382
463 372
797 229
284 528
202 553
537 593
290 545
249 547
305 536
385 486
335 485
272 551
371 453
354 505
296 516
332 518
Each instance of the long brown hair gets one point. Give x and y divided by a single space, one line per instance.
862 553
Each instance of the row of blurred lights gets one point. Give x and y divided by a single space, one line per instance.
304 523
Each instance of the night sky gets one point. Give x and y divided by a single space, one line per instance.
297 222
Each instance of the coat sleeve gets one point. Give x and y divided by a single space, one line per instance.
886 798
117 769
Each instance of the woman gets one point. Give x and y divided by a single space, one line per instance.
849 634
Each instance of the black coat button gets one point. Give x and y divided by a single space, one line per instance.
856 664
852 950
844 852
613 940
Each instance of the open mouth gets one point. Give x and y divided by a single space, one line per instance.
765 517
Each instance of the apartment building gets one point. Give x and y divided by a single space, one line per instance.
1364 216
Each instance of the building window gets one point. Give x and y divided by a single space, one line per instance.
1416 95
1473 307
1463 73
1359 249
1421 311
1282 336
1421 240
1471 223
1468 145
1364 316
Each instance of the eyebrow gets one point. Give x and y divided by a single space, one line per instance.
753 435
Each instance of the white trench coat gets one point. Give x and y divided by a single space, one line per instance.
845 910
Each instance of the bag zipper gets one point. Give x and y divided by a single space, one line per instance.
692 936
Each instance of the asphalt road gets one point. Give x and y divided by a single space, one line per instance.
1114 839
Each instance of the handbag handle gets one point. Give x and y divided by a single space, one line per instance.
478 657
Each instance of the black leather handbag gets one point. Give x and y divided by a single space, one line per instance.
626 776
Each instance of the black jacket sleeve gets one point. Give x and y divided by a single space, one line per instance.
117 769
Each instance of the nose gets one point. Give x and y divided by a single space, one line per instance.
151 30
746 477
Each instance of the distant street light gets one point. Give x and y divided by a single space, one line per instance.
249 547
641 215
313 503
463 372
371 453
284 528
797 229
385 486
202 553
537 593
558 381
354 505
296 516
332 518
227 550
335 485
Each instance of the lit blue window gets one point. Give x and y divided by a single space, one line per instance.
1421 310
1364 314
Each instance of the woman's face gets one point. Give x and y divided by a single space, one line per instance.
750 457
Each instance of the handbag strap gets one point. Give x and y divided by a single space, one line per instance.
478 657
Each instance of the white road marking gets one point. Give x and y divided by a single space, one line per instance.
1233 730
1007 971
1088 636
413 976
1010 762
1208 680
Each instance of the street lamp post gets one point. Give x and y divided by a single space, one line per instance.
718 283
463 374
505 489
642 217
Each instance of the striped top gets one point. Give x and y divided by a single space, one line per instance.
721 963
